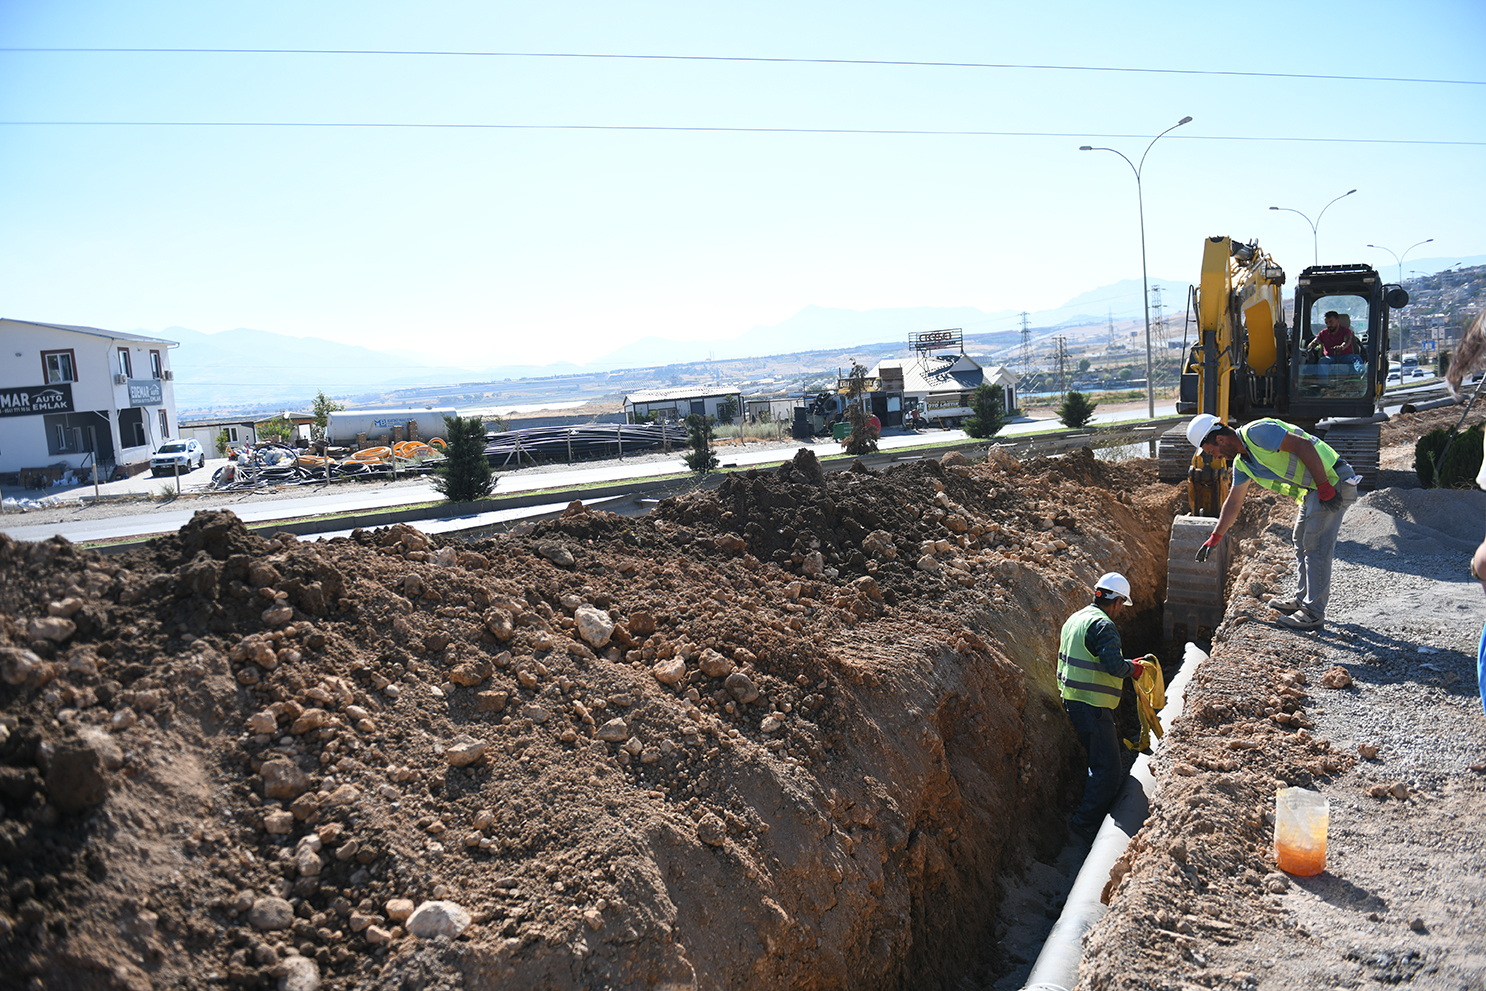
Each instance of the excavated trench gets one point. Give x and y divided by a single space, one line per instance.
801 730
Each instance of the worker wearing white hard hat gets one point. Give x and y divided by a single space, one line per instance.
1288 460
1091 676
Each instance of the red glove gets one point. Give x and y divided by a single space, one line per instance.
1208 545
1136 670
1326 492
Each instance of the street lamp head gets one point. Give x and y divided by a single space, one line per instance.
1349 192
1274 208
1185 120
1085 147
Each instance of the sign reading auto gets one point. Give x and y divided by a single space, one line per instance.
31 400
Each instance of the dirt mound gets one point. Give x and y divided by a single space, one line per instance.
787 733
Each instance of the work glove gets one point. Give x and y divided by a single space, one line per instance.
1331 500
1136 670
1207 547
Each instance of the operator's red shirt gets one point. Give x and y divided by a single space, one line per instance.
1338 342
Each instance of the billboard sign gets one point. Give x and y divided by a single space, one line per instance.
146 392
33 400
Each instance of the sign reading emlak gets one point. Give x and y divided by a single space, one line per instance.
145 392
32 400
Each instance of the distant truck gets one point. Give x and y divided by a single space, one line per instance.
1409 362
342 426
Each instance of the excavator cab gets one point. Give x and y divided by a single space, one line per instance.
1336 374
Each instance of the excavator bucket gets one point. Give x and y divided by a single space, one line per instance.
1194 589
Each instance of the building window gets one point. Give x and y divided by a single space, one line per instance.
59 366
232 434
164 423
126 368
157 369
131 428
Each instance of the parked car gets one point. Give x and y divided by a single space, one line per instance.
178 456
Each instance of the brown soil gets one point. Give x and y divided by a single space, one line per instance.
799 731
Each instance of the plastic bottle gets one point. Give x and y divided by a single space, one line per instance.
1301 818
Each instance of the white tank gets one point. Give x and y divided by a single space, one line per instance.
342 426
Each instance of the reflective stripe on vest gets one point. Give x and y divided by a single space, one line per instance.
1295 479
1080 675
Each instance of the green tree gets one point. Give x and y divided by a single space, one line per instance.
1083 364
727 409
702 458
1076 410
223 439
465 475
863 437
989 416
278 429
322 407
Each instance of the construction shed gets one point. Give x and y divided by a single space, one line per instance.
722 402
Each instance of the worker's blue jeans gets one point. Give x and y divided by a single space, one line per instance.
1316 528
1095 728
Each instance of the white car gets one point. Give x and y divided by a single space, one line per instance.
1394 378
178 456
1419 373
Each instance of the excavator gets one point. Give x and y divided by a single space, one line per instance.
1246 364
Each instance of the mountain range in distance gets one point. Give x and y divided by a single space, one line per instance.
268 369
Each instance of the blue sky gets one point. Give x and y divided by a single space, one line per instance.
506 245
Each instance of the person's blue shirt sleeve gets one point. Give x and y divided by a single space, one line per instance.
1103 641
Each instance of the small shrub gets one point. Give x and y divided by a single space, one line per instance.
1076 410
1460 464
702 458
465 475
989 404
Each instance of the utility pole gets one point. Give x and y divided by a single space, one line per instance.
1061 358
1160 330
1110 313
1026 345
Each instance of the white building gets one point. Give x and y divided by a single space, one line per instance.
678 404
942 386
73 395
239 431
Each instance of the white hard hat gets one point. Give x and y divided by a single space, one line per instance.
1202 424
1115 583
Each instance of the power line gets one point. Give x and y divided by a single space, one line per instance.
908 132
618 56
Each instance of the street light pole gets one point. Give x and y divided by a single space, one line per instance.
1315 239
1399 258
1145 282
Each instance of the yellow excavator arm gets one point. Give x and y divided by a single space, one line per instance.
1239 345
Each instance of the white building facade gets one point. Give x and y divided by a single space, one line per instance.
677 404
76 395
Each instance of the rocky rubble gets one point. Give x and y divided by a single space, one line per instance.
786 733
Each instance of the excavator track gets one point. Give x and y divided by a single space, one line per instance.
1194 589
1174 455
1357 444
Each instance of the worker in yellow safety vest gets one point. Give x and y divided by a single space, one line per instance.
1091 674
1285 459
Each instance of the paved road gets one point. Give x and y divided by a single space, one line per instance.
371 496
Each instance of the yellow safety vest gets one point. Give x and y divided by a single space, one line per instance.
1080 675
1294 478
